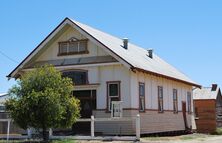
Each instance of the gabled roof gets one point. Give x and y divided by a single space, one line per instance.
3 94
205 93
3 98
134 57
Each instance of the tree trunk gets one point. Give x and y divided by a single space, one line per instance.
45 135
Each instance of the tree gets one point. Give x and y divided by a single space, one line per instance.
42 99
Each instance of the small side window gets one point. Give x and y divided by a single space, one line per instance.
160 99
142 97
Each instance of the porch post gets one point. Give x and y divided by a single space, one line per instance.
29 133
8 129
138 127
50 132
92 126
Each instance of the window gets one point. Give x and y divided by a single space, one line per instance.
175 101
113 90
141 96
189 102
73 47
2 108
78 77
160 98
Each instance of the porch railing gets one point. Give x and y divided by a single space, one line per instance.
92 120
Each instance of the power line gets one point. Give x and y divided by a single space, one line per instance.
8 57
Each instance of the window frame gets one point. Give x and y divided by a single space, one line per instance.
69 42
142 96
2 109
108 103
160 100
175 101
189 104
78 70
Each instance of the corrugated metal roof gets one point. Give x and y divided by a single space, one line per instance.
205 93
74 61
135 55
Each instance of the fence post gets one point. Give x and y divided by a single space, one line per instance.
8 130
29 133
92 126
50 132
138 127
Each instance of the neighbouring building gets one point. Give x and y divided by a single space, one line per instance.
5 115
208 108
105 68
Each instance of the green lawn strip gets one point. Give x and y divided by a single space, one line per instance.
183 137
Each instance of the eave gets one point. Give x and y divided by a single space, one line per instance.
165 76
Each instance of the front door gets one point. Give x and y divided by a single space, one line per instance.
184 114
87 104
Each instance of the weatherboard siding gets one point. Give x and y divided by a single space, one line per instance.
114 127
151 122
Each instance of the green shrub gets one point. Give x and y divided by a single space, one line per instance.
218 131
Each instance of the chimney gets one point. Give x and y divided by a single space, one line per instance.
150 53
125 43
214 87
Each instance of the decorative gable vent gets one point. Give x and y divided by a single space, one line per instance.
73 39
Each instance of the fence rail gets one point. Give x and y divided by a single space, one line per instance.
92 120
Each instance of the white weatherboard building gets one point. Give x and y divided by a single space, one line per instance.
105 68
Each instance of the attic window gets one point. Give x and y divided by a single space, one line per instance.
72 47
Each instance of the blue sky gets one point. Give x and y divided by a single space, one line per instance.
187 34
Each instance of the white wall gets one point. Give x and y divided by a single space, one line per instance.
151 84
113 73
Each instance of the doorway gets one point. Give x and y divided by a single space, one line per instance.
184 114
87 104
